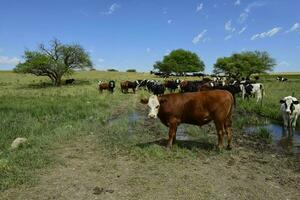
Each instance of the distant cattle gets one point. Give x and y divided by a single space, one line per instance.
281 79
126 85
290 109
249 89
197 108
155 87
70 81
194 86
106 86
172 85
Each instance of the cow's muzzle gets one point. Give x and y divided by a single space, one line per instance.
152 116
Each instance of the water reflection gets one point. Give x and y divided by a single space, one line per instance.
285 139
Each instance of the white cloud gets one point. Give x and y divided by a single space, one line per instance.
228 37
148 50
269 33
167 52
112 9
295 27
199 7
283 64
244 15
169 21
237 2
100 60
4 60
228 26
198 38
242 30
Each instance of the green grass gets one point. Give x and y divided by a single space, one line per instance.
264 134
30 107
274 92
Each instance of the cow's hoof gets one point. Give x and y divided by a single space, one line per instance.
219 149
228 147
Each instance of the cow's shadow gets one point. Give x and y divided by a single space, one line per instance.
186 144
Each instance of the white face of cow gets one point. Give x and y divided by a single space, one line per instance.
153 104
288 104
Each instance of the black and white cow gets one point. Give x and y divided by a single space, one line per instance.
290 109
281 79
249 89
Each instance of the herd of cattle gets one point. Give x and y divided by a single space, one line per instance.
247 88
200 102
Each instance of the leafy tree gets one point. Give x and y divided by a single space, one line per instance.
112 70
180 61
55 62
245 64
131 70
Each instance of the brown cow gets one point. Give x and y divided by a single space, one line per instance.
125 85
197 108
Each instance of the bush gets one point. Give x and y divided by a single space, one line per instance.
112 70
130 70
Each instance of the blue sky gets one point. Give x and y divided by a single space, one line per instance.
127 34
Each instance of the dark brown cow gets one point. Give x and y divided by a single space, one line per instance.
125 85
197 108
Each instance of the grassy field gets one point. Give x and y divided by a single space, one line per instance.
107 136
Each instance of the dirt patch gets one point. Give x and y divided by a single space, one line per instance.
85 171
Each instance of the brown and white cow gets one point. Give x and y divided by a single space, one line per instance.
197 108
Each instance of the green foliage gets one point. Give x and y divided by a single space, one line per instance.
245 64
180 61
112 70
131 70
55 62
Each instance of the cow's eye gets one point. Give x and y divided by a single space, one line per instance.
157 107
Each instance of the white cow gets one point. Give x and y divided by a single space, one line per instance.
290 109
255 88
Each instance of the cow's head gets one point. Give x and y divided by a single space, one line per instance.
289 103
154 103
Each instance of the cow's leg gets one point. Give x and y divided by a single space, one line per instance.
285 120
133 90
259 96
220 131
172 133
294 122
229 133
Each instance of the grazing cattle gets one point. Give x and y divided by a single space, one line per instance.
194 86
158 89
172 85
142 84
70 81
125 85
197 108
256 89
106 86
290 109
281 79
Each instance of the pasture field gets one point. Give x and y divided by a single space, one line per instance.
86 145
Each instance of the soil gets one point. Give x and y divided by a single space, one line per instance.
87 171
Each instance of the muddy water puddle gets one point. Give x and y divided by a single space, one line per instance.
286 140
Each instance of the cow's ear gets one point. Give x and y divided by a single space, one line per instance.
282 101
144 101
296 102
